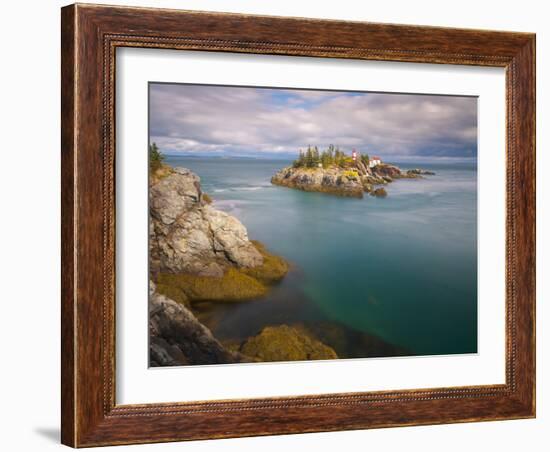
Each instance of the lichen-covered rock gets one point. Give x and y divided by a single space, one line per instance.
285 343
336 181
187 235
176 337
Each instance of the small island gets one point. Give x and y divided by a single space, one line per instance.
334 172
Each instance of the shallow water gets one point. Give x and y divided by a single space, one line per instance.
403 268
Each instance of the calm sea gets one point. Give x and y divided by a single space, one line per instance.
403 268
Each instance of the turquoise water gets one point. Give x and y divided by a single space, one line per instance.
403 268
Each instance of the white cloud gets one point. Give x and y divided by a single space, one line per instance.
194 118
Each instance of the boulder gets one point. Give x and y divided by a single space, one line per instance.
380 192
230 237
385 169
367 187
188 235
177 338
285 343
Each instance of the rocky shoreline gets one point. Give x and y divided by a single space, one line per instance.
350 177
201 255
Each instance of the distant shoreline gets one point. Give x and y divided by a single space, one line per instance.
288 158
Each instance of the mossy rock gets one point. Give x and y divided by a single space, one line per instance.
173 292
285 343
271 271
234 285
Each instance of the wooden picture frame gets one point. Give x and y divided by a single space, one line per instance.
90 36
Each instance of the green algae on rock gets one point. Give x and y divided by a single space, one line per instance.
172 290
234 285
273 269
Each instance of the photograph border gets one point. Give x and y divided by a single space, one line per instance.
90 35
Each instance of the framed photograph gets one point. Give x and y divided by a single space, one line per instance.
282 225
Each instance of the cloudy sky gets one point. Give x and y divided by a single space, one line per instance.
217 120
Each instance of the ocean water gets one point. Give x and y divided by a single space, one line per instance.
402 268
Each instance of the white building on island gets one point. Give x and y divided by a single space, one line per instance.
373 161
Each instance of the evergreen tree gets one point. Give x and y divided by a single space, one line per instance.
324 159
300 161
316 157
309 157
155 157
330 154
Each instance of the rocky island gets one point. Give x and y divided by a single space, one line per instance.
334 172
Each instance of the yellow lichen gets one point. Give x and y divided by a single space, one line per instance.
351 174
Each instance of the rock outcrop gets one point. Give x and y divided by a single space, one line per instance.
177 338
187 235
380 192
419 171
351 181
199 253
335 181
285 343
386 170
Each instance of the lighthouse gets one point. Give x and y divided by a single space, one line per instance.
354 155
